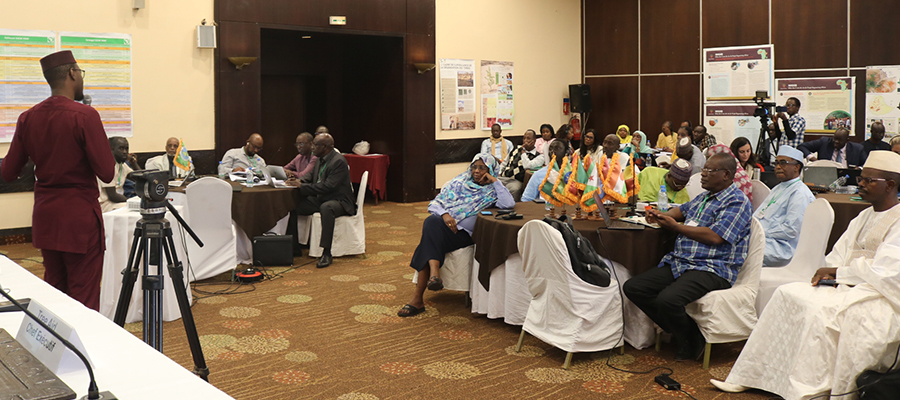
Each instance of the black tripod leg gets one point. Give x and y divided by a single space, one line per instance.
153 289
129 276
176 274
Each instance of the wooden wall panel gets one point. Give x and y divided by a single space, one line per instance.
615 102
670 36
735 23
237 91
669 97
809 35
874 32
367 15
610 37
418 145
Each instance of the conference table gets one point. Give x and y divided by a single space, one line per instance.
377 165
123 364
845 209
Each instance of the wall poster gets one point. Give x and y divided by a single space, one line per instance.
826 103
736 73
22 83
883 98
729 121
457 94
497 106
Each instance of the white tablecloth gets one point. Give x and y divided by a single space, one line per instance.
119 226
122 363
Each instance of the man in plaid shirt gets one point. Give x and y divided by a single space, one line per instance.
702 139
794 125
709 252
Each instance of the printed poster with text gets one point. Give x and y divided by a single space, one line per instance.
457 94
736 73
729 121
106 59
497 94
883 98
22 83
825 103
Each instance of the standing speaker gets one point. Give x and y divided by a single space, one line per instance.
580 98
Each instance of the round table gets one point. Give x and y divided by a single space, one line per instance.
845 210
637 250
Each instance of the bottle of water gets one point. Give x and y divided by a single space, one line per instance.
222 173
838 182
662 200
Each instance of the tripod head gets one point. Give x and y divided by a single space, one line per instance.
153 186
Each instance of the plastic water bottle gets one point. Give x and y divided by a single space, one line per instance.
662 200
222 174
838 182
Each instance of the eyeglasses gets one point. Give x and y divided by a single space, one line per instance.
711 170
786 162
480 167
864 180
83 72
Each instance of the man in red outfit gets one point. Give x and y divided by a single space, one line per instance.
70 151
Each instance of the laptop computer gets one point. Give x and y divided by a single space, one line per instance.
614 223
277 172
820 176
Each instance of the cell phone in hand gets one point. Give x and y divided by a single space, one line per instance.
827 282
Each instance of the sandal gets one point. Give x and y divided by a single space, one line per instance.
409 311
435 283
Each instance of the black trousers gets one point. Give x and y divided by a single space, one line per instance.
330 210
437 240
662 297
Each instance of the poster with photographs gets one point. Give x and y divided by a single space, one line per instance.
729 121
826 103
497 105
883 99
736 73
457 94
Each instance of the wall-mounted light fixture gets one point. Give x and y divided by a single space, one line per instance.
241 62
423 67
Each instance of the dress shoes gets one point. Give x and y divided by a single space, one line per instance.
690 349
727 387
324 261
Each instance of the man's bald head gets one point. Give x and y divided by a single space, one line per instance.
172 145
323 145
254 144
610 144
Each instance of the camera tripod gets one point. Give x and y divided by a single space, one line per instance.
153 233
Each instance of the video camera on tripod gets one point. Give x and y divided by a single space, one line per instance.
764 113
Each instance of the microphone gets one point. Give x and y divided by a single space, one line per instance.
87 100
93 392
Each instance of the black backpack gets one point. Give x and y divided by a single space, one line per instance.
878 386
585 261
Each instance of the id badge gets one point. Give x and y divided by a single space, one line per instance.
691 223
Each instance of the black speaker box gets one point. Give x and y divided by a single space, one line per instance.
273 250
580 98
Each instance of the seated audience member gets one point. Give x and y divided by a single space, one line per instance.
741 179
533 189
497 145
741 148
667 139
243 158
449 227
689 152
624 134
702 139
876 139
709 251
687 124
112 193
166 162
895 144
590 146
838 149
523 158
610 150
321 129
781 213
303 163
675 179
326 190
811 340
564 132
638 144
545 138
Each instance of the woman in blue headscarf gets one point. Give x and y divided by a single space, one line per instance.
449 227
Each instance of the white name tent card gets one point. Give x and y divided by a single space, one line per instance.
46 347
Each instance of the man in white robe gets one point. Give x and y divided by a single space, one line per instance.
812 340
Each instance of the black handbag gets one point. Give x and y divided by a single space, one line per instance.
273 250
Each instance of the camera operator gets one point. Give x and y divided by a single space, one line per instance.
68 145
794 125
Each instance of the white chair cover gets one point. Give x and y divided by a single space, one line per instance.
457 270
349 230
729 315
825 163
760 192
809 256
565 311
693 186
209 205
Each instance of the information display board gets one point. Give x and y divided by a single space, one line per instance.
497 104
729 121
736 73
883 98
826 103
457 94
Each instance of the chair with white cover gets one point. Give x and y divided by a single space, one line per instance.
760 192
565 311
824 163
808 257
694 188
349 230
729 315
209 215
456 273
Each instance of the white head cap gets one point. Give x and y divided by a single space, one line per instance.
883 160
788 151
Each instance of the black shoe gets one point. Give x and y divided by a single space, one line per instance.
325 260
690 349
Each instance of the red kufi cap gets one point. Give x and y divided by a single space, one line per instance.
56 59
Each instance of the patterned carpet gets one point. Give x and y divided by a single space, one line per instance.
334 334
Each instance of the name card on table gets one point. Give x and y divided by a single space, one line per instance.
46 347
